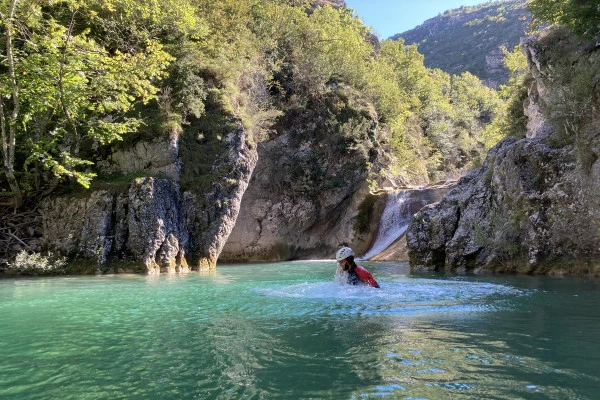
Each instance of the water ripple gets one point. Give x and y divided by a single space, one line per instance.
288 330
407 296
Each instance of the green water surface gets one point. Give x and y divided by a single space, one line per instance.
290 331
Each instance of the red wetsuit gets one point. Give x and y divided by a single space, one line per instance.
366 276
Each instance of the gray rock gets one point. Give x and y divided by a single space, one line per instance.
213 217
154 223
534 205
156 232
155 157
304 197
79 225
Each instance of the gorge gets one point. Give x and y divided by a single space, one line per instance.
515 213
178 175
287 161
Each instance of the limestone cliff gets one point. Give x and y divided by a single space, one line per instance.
534 204
154 222
305 197
309 193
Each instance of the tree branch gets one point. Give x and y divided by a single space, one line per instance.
61 87
9 141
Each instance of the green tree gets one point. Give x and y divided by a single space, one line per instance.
583 16
10 89
510 119
65 84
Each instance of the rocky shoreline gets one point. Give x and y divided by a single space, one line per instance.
532 207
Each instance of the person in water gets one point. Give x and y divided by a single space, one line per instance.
356 273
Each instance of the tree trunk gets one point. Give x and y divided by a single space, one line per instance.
9 133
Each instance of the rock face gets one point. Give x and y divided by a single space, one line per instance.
154 223
276 225
212 215
158 156
306 193
305 199
534 205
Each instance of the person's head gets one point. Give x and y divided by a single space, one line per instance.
345 258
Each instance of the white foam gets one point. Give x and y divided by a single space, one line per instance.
401 296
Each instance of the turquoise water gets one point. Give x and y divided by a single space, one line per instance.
289 331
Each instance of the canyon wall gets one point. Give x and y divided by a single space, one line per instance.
534 205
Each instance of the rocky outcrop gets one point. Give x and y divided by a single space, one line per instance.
332 3
154 232
275 225
155 157
82 225
305 196
495 70
211 215
154 223
534 205
194 203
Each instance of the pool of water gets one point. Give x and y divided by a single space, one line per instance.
290 331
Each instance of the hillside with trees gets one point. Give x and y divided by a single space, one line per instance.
83 81
533 205
471 38
74 81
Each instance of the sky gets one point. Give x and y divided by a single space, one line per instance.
388 17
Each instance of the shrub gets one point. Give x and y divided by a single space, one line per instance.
37 264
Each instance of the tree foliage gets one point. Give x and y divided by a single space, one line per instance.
510 119
459 40
77 76
583 16
69 82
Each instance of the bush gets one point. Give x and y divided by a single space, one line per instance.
37 264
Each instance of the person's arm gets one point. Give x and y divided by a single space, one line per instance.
366 277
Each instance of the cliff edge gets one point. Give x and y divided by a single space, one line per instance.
534 205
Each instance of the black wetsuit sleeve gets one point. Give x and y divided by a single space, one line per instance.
353 278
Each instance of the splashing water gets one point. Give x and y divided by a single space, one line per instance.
403 295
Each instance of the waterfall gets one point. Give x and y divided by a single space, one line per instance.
394 222
400 206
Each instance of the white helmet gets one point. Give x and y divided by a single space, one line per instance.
343 253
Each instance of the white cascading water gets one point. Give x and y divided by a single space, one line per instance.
394 222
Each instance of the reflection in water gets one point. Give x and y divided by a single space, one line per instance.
435 362
289 330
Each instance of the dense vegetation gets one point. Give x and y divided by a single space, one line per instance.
465 39
573 80
582 16
79 76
